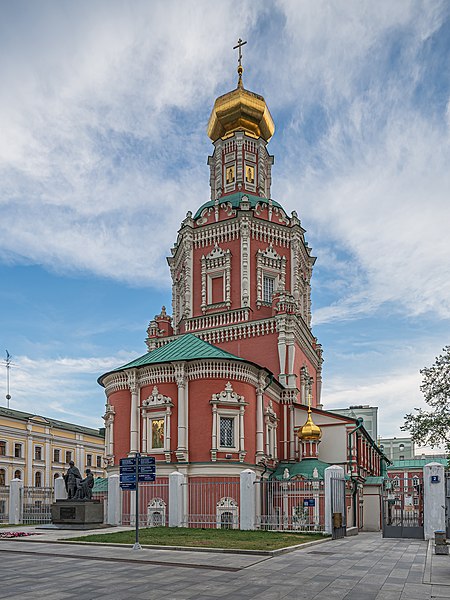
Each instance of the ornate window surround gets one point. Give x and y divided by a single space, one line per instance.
227 505
269 264
216 264
156 407
271 423
156 506
228 404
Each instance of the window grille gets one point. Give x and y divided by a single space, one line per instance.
268 286
38 453
56 455
226 432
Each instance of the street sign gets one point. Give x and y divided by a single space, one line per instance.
128 486
147 460
147 477
127 462
128 477
145 469
309 502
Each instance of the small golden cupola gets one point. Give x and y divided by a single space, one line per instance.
309 436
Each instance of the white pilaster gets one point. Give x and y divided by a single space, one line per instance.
176 499
114 508
134 411
248 500
259 423
433 499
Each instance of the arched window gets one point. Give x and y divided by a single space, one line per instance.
2 477
227 514
17 474
396 482
156 513
38 479
226 520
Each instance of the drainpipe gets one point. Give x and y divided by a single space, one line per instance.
359 422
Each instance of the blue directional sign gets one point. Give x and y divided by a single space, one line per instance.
309 502
145 467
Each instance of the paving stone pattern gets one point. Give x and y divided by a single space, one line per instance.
364 567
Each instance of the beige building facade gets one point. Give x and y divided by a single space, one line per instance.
37 449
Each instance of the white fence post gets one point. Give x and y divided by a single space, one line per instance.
15 502
248 499
333 472
113 514
60 492
176 499
433 499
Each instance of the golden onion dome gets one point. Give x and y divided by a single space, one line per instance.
240 110
309 431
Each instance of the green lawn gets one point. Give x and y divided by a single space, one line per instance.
206 538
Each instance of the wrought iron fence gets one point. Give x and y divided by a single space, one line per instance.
37 503
103 498
4 504
297 505
213 503
153 504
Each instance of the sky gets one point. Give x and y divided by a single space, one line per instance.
103 149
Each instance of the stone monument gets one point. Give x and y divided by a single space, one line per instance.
79 510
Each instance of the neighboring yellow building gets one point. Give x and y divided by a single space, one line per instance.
37 449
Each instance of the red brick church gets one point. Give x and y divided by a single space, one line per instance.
227 379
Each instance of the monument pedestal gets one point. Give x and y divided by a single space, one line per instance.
77 514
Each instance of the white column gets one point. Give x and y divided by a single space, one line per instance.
285 432
114 508
291 433
60 492
180 378
332 504
15 501
259 423
48 464
248 499
133 386
176 499
30 457
433 499
214 428
241 430
145 432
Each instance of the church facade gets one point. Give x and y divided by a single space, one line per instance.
233 377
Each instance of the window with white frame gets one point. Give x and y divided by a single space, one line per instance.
227 432
270 275
416 481
268 288
216 277
228 410
396 482
156 431
17 450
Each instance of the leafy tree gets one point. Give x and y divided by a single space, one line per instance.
432 427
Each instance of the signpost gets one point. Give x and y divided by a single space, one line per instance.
132 472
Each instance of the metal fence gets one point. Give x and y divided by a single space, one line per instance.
37 503
103 498
297 505
153 504
4 504
213 503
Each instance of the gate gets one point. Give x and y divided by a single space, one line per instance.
403 507
294 505
338 507
4 504
447 503
37 502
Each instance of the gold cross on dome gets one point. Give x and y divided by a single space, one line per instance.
239 45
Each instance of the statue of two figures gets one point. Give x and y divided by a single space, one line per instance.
78 488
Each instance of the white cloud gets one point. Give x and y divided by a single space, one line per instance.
63 388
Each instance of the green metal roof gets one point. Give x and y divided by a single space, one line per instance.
235 200
416 462
374 480
100 484
25 416
304 468
186 347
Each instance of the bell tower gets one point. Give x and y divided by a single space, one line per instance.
241 267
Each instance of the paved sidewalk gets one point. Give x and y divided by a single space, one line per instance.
364 567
